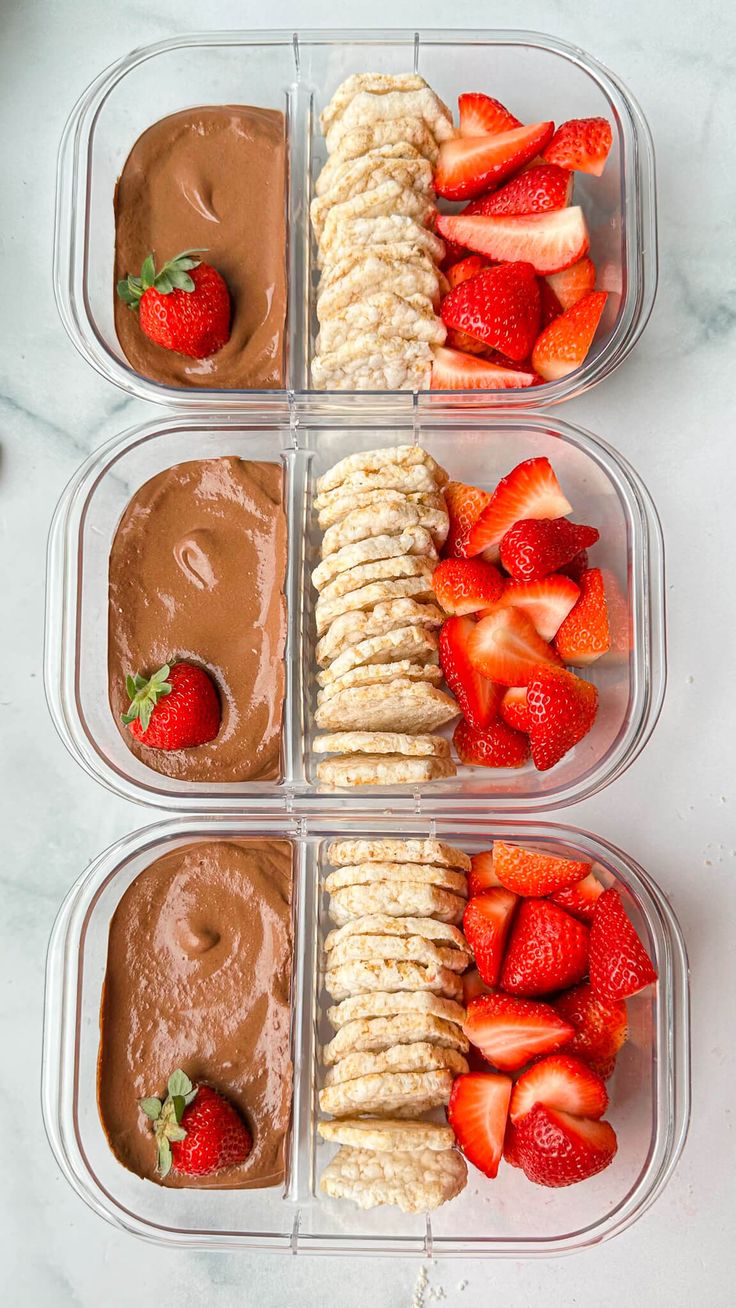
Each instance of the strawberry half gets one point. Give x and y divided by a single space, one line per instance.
477 1112
481 875
538 190
546 601
513 708
454 370
562 710
576 567
563 345
547 950
534 548
573 283
481 115
464 506
466 585
600 1027
464 269
549 306
477 697
486 922
562 1082
532 872
585 634
549 241
509 1032
498 746
582 144
473 985
499 306
468 165
505 647
557 1149
619 964
530 490
581 898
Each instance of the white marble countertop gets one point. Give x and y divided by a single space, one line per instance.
667 409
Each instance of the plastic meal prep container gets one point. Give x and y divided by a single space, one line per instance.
602 488
650 1091
539 76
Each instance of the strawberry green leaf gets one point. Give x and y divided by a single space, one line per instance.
151 1107
146 696
179 1106
148 272
164 1156
176 1133
179 1083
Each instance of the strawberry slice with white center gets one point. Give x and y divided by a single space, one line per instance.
463 586
564 344
506 647
499 306
486 923
555 1148
549 241
572 283
466 268
547 601
513 708
477 697
562 1082
481 875
481 115
497 746
532 872
530 490
464 505
509 1031
585 635
453 370
582 144
468 165
580 898
477 1112
538 190
619 964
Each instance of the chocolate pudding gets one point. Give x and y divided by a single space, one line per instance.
196 572
211 179
198 977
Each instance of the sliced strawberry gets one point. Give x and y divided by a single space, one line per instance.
495 747
513 708
477 1112
600 1027
477 697
509 1032
481 115
576 567
562 710
582 144
453 370
466 585
467 344
546 601
465 268
473 985
481 875
534 548
549 241
573 283
538 190
581 898
532 872
510 1147
619 964
585 634
558 1149
605 1067
530 490
486 923
549 306
464 505
547 950
468 165
564 344
505 647
499 306
563 1082
453 253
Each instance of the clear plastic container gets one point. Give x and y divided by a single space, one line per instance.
650 1089
603 489
537 75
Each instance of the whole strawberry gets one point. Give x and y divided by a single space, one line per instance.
197 1131
176 708
185 307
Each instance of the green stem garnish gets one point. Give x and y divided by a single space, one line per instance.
145 694
174 276
166 1116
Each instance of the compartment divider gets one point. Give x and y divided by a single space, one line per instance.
294 728
299 133
303 1016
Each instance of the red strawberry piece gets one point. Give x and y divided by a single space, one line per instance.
473 985
532 872
469 165
549 306
547 950
585 634
481 875
499 306
573 283
495 747
564 344
619 619
549 241
513 709
581 898
530 490
605 1067
185 307
466 585
533 548
537 190
477 697
486 922
477 1112
582 144
506 647
468 345
509 1031
619 964
563 1082
481 115
455 370
562 710
600 1027
464 506
464 269
556 1149
510 1146
176 708
453 253
576 567
546 601
197 1131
